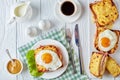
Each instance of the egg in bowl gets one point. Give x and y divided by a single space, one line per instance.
48 58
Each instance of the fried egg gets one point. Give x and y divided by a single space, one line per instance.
48 59
107 40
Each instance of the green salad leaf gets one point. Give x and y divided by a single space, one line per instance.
31 64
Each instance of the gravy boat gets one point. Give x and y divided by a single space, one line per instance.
20 12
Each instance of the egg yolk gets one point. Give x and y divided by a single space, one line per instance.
47 58
105 42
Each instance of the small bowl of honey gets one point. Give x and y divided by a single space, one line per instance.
14 66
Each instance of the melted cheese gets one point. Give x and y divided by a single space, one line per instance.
105 11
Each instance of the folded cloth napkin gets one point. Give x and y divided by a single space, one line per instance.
59 35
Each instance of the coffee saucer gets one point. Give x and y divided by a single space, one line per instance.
68 19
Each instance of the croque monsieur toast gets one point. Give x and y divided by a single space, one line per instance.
97 64
104 12
106 40
112 67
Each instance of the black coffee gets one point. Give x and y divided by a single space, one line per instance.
67 8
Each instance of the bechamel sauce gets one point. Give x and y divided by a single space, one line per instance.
20 10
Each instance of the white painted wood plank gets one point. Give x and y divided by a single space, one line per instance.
9 39
48 12
84 33
22 37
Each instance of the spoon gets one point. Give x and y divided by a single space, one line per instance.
7 51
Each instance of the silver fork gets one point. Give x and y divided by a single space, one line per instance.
69 38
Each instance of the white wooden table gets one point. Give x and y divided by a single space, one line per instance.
15 35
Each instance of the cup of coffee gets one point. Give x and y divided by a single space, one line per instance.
68 7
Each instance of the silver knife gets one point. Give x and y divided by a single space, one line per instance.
78 45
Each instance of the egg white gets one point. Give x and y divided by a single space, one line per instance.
112 37
53 65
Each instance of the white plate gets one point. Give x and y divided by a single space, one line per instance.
50 75
92 29
68 19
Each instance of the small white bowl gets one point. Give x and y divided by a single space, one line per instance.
12 73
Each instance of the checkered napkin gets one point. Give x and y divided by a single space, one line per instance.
59 35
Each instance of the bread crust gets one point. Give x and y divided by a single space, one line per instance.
98 31
96 17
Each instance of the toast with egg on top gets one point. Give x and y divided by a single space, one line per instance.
97 64
48 58
106 40
112 67
104 12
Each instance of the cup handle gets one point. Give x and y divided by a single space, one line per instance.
11 20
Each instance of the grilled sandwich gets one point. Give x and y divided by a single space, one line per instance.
104 12
112 67
97 64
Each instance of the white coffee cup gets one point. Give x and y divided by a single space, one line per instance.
20 12
69 12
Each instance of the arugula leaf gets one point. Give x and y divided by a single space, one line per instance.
31 64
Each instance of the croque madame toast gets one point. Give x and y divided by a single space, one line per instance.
112 67
97 64
104 12
47 47
98 31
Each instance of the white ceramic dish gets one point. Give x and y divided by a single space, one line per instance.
50 75
26 17
16 73
92 30
68 19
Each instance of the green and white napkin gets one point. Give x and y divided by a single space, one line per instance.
59 35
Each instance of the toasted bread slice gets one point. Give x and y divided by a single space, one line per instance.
112 67
104 12
98 31
97 64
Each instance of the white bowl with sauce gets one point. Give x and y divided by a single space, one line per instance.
14 68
